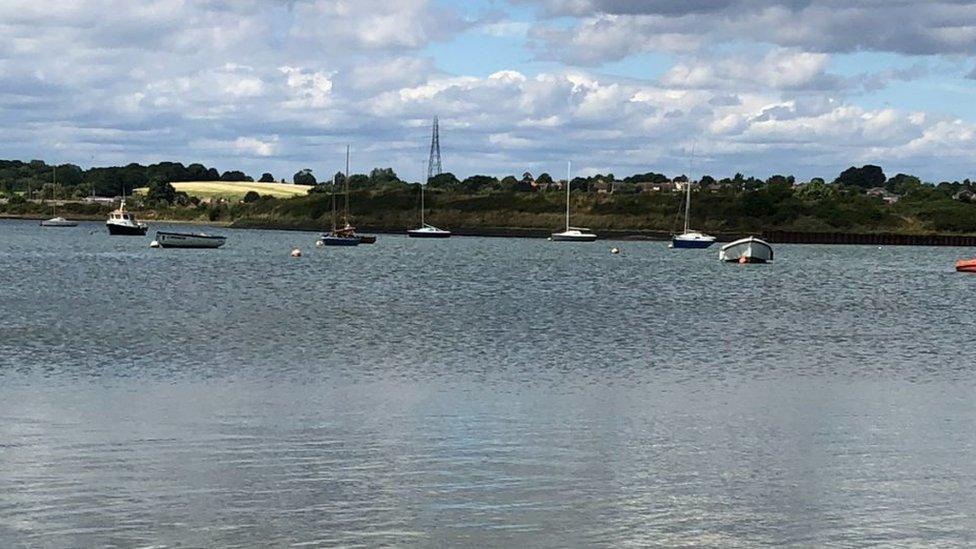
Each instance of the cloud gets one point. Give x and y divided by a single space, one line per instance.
609 30
280 86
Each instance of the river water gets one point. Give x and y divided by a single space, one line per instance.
480 392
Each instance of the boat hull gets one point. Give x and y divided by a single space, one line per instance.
746 250
332 240
691 244
366 238
126 230
58 223
573 234
189 240
966 266
420 233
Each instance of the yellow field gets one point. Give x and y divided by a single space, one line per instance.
235 190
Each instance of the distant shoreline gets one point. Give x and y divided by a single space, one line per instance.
773 236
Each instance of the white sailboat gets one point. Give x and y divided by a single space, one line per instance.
426 230
689 238
57 221
572 234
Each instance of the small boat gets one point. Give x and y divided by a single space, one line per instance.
428 231
689 239
58 222
692 240
747 250
572 234
345 236
189 240
121 222
966 266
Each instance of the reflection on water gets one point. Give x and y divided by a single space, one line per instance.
479 392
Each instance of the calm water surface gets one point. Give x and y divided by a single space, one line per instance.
486 392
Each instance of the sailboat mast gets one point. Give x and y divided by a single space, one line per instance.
422 204
345 213
55 191
691 164
333 203
569 169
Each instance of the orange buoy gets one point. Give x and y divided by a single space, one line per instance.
966 265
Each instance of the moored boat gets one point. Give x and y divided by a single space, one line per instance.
58 222
747 250
168 239
572 234
428 231
121 222
966 266
690 239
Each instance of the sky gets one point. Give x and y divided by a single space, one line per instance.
802 87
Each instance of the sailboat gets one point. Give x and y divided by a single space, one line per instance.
572 234
345 236
57 221
426 230
689 238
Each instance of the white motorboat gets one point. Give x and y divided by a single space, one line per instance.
189 240
572 234
747 250
58 222
124 223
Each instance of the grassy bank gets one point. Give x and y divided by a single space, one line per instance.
534 213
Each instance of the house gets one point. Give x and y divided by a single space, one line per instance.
603 187
964 195
883 194
664 186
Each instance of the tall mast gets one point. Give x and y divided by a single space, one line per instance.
333 204
345 213
55 189
688 189
569 169
422 202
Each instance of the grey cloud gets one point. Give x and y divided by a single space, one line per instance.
938 27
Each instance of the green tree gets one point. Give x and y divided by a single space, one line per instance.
865 177
235 175
251 196
160 192
266 178
304 177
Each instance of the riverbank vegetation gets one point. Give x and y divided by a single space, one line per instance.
860 200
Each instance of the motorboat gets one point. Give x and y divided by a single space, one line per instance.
747 250
121 222
692 239
572 234
58 222
428 231
189 240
